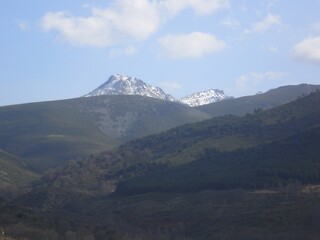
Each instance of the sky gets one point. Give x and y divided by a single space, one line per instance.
59 49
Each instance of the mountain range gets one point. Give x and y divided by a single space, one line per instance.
123 85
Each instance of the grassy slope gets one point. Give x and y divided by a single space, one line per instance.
270 99
49 133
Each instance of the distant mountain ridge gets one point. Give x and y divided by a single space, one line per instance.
118 84
247 104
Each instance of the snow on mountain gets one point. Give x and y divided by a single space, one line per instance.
203 98
123 85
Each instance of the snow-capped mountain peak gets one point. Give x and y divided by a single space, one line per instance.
118 84
203 98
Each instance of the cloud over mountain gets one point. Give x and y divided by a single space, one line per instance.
122 21
134 19
263 25
192 45
308 49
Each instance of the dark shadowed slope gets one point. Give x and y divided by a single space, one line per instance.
13 174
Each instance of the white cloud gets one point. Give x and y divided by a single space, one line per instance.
308 49
199 6
193 45
134 19
264 25
256 78
122 21
230 23
170 86
267 23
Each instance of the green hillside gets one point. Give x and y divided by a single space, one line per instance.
270 99
51 133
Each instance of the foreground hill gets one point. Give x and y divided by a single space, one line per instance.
270 99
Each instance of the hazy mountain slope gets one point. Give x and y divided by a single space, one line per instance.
129 117
51 133
270 99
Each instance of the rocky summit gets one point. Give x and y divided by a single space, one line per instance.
124 85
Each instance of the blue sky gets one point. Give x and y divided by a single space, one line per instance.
64 49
